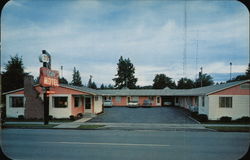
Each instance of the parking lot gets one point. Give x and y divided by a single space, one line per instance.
144 115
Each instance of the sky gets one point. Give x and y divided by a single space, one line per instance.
91 35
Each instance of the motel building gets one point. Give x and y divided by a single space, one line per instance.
230 99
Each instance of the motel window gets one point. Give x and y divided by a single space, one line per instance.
225 102
203 101
60 102
77 102
176 100
17 102
118 99
158 99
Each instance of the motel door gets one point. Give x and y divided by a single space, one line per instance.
88 105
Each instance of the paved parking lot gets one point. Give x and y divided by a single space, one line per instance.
143 115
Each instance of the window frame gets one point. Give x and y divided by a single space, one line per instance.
54 101
226 102
11 101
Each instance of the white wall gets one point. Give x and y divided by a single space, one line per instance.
203 109
60 112
13 112
240 107
98 105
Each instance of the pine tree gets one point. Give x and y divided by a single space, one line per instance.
125 74
161 81
76 80
14 75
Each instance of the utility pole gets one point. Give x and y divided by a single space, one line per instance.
201 76
230 71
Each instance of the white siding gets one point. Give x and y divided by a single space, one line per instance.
59 112
13 112
203 109
98 105
240 107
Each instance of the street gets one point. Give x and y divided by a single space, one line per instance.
121 144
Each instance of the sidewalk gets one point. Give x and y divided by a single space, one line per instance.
74 124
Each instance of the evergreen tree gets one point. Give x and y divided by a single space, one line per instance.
13 77
125 74
161 81
102 86
185 83
204 80
76 80
63 80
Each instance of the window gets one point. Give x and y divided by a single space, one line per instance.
203 101
118 99
17 102
77 102
176 100
225 102
60 102
158 99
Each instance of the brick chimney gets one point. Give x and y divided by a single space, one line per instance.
33 103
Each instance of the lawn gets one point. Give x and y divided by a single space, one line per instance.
28 126
90 126
229 128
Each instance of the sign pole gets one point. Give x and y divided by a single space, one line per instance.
48 78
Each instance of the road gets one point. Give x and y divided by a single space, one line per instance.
45 144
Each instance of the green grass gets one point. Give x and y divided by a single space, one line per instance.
37 120
229 129
90 126
28 126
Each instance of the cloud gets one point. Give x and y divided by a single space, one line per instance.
92 35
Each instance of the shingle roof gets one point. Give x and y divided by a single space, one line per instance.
81 89
170 92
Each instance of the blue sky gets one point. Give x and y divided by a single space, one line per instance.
91 35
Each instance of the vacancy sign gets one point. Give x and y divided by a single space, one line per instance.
49 78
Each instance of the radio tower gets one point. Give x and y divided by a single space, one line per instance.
196 55
185 41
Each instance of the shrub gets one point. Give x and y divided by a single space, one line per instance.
202 118
79 115
50 117
244 119
225 119
21 117
71 117
194 114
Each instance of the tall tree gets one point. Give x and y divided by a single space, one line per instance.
185 83
125 74
161 81
63 80
14 75
76 80
204 80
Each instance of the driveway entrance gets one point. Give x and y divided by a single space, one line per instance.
171 115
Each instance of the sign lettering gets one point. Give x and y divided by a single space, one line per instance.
49 78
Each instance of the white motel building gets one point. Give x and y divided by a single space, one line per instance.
229 99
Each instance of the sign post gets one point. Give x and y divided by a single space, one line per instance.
48 78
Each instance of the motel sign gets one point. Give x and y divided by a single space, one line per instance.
49 78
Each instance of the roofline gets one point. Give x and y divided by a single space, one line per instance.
77 89
228 87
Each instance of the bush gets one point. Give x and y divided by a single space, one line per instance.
50 117
21 117
194 114
79 115
202 118
71 117
225 119
244 119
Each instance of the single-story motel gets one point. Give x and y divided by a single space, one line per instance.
230 99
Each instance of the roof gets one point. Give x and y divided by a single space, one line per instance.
171 92
151 92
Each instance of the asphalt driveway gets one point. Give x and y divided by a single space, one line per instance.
143 115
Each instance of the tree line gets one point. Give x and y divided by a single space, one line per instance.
13 76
